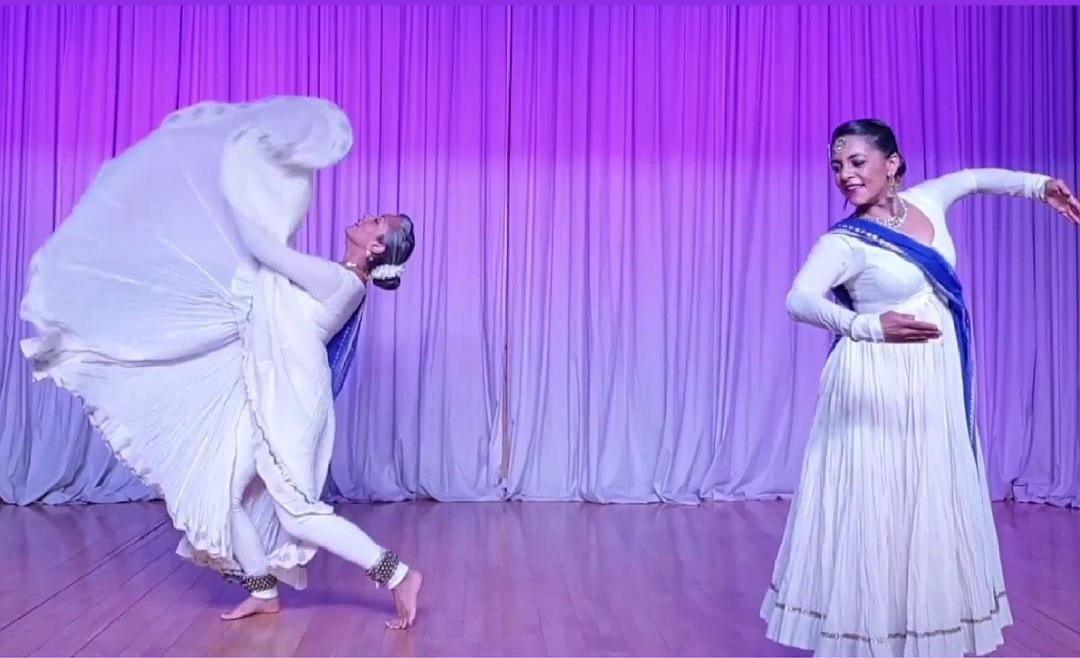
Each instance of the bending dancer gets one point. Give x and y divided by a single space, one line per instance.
171 305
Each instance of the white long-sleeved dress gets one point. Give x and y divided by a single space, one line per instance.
170 305
890 547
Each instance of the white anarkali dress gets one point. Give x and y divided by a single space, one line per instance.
150 309
890 547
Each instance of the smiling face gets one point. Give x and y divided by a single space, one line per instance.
862 171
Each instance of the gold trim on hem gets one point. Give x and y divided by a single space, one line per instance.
891 636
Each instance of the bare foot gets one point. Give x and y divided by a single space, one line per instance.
253 606
405 600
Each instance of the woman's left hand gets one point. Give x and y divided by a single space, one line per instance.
1060 198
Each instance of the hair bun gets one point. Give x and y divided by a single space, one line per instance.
387 284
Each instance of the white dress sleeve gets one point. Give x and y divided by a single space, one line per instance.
319 277
834 260
948 189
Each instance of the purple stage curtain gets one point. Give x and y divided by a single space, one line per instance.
611 203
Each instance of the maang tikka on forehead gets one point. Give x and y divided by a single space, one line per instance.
839 146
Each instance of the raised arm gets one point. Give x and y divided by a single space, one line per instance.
319 277
950 188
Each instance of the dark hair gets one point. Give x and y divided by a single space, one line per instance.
399 245
877 133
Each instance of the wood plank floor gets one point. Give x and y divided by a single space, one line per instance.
513 579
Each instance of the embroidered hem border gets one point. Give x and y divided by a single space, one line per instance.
891 636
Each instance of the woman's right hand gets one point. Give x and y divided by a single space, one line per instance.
902 328
1061 199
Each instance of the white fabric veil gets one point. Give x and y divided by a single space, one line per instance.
153 235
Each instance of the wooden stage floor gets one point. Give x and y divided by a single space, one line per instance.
515 579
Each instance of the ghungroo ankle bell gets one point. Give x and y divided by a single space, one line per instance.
383 570
231 576
259 583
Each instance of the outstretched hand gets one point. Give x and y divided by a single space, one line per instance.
901 328
1060 198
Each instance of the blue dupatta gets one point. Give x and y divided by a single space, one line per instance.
946 284
342 348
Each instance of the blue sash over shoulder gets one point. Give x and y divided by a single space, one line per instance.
944 280
341 349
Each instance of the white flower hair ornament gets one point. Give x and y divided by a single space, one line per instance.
383 272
